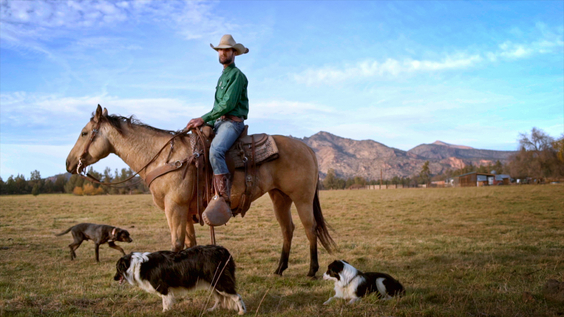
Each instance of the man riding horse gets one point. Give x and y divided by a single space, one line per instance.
230 109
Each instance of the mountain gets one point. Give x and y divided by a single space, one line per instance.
54 178
366 158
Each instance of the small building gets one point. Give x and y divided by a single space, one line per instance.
474 179
502 179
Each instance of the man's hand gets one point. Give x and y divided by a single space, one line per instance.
194 123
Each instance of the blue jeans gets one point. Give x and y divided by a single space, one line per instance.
226 133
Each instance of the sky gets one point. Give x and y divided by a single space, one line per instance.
402 73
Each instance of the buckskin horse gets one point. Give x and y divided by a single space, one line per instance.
293 177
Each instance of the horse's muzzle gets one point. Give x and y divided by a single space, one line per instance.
71 169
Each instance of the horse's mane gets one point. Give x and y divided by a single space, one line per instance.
116 121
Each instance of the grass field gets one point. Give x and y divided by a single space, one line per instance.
458 251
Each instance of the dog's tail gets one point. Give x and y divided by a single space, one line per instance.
322 226
64 232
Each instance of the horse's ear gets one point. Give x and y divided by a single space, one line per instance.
105 113
98 114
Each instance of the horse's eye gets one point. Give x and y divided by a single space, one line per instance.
84 133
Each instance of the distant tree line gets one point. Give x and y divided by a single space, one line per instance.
540 156
76 185
332 181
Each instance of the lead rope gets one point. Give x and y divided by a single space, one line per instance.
196 139
201 138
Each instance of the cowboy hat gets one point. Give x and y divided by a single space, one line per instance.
227 41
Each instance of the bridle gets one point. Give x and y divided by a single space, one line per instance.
83 154
93 134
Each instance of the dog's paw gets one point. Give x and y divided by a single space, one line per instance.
352 301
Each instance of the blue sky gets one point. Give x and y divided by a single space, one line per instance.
402 73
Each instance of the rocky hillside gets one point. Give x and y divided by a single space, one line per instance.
367 158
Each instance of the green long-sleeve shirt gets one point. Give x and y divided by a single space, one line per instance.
230 95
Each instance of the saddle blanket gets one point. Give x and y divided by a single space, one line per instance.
265 150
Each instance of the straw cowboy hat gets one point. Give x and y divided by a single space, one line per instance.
227 41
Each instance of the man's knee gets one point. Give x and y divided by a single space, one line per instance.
216 155
217 161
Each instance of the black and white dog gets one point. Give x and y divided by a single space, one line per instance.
353 284
170 274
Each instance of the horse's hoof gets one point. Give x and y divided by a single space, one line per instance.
280 269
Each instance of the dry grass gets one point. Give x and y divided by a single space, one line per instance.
459 252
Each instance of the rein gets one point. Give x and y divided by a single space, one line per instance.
93 179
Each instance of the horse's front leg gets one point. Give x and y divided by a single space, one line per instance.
176 216
190 234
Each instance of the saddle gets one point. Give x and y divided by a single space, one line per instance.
247 153
256 148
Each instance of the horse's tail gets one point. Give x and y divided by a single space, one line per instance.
322 227
64 232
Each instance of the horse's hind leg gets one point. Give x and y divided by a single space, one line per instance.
282 209
305 211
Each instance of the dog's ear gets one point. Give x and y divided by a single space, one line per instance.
123 263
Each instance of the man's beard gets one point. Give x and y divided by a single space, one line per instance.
227 61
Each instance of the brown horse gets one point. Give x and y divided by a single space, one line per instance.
293 177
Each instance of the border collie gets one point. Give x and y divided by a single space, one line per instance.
353 284
170 274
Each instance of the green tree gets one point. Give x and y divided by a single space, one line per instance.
21 185
425 174
74 181
360 180
35 190
349 182
498 167
330 181
35 181
48 187
10 186
59 186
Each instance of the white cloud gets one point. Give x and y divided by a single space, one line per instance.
42 20
22 109
391 67
511 50
548 41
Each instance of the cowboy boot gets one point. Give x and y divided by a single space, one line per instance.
222 184
218 212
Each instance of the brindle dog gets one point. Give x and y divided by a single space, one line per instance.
100 234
